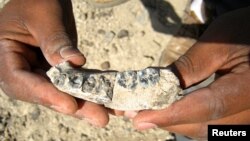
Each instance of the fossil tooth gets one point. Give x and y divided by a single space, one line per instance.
150 88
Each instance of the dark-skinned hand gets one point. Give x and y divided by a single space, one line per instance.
29 30
223 49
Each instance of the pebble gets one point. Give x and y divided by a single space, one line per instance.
105 65
109 36
123 33
101 31
35 113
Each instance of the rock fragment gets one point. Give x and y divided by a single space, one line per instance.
105 65
123 33
150 88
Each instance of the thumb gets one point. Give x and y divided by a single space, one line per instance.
55 31
200 62
58 47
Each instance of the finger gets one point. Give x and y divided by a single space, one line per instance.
39 90
199 130
9 46
95 114
130 114
14 71
190 66
115 112
216 101
118 112
211 53
55 32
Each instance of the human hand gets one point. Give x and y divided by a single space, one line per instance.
29 31
223 49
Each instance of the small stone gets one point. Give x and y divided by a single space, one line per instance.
123 33
114 48
35 113
142 33
105 65
101 31
142 17
109 36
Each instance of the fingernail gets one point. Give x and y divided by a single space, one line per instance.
92 122
145 126
67 52
58 108
130 114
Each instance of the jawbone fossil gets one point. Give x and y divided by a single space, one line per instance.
150 88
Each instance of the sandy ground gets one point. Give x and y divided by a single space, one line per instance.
128 36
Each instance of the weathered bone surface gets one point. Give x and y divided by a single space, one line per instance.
151 88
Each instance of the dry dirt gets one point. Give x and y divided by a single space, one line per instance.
128 36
